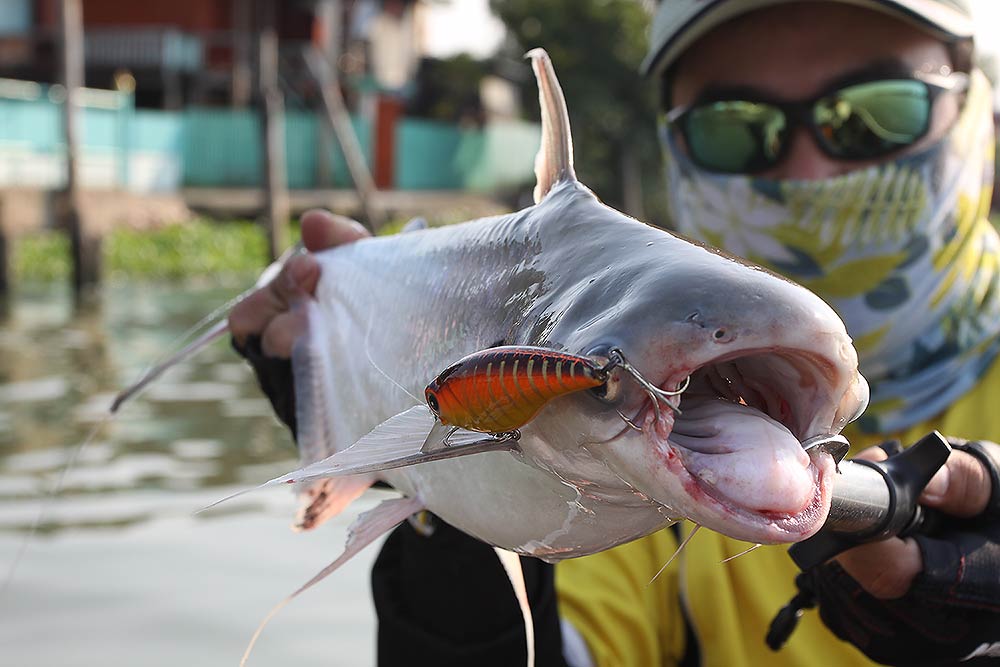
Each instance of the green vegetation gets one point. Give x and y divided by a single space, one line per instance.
196 250
40 257
201 249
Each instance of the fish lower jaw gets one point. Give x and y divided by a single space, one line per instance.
707 506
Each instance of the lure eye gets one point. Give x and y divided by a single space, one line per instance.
432 403
610 390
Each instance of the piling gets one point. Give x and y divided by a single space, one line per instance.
4 258
85 244
276 211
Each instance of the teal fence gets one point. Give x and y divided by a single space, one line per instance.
203 147
222 148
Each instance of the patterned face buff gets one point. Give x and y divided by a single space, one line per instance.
903 251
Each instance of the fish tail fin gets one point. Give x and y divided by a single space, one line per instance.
512 566
366 529
554 161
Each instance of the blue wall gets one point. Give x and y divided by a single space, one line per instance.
222 147
15 16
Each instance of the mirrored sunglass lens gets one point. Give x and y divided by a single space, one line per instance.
734 136
875 118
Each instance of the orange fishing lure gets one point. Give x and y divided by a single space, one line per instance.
500 389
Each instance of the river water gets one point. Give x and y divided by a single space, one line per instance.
122 571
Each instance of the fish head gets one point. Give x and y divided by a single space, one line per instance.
757 364
764 364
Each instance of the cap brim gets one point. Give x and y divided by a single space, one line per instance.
680 23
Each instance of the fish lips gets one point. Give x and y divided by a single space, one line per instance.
763 487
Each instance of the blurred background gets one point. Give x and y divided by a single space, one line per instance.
153 158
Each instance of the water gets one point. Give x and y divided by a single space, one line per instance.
122 572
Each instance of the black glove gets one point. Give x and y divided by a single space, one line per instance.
446 600
953 606
274 376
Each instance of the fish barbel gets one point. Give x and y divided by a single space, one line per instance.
768 363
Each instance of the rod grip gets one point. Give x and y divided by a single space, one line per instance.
874 501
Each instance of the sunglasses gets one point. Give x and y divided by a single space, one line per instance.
864 120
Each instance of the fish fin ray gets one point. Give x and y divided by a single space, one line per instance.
512 566
554 161
368 527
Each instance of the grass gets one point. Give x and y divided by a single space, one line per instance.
196 250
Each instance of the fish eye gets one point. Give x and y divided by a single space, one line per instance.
432 402
723 335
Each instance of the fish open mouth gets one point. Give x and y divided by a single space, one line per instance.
735 442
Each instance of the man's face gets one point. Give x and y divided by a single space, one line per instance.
796 51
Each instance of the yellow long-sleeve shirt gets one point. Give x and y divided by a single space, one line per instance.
626 620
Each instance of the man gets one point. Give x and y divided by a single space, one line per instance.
843 144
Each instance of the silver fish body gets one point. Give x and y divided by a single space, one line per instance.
575 275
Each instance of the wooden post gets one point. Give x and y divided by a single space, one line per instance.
276 210
336 113
4 259
326 38
85 245
242 84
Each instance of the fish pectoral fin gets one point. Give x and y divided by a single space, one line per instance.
399 442
368 527
395 443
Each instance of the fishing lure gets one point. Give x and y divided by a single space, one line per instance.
500 389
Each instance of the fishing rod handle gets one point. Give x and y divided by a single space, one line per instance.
876 500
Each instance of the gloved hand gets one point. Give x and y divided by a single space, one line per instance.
927 599
445 599
264 327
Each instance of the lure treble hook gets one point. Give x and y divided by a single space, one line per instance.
616 359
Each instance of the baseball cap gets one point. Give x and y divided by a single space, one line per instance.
679 23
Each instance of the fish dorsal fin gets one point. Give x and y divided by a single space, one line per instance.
554 161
